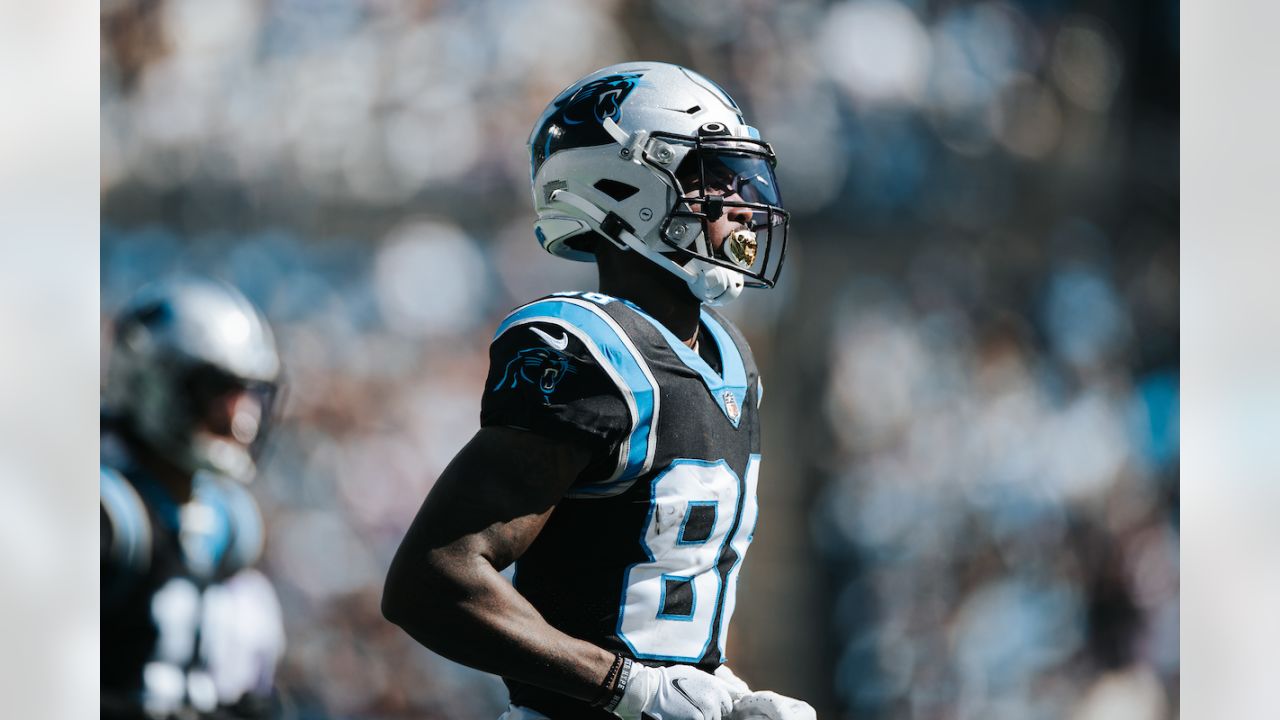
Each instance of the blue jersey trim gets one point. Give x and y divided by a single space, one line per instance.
734 380
753 459
211 546
246 522
608 344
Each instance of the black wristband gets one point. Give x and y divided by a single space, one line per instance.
610 682
624 677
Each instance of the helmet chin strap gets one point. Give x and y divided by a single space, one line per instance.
708 282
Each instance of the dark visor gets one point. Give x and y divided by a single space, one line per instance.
728 172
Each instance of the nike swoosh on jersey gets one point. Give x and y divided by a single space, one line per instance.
559 344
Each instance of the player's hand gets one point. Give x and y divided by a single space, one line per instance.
769 705
737 687
674 693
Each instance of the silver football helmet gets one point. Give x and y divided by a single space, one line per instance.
193 372
653 157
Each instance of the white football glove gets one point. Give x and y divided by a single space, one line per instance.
737 687
769 705
674 693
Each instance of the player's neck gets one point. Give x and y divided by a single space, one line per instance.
663 296
677 314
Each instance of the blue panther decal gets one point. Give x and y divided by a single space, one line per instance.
538 366
598 99
577 119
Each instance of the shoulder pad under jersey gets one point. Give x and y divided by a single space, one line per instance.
126 524
238 513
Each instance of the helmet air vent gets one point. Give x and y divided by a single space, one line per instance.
619 191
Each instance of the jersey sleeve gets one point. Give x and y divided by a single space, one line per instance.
125 533
566 371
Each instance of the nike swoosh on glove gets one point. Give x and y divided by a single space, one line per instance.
768 705
674 693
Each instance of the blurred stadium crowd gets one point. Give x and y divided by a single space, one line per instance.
972 358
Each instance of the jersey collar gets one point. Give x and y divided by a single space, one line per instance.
728 390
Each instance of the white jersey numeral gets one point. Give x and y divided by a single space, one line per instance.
673 600
212 646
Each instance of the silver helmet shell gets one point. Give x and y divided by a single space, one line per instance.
618 155
172 340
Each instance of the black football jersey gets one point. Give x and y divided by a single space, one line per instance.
642 556
187 630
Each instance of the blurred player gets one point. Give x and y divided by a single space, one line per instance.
619 448
189 630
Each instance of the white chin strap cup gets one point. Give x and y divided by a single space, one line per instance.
715 285
712 284
222 456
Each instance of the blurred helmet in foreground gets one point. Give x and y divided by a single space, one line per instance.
193 372
650 156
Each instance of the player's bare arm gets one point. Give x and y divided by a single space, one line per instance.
445 587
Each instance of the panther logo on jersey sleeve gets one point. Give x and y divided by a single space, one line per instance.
540 366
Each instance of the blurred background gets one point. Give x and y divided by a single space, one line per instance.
970 485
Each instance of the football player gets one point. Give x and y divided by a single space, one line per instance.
619 448
189 629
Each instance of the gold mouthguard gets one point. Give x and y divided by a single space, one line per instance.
741 247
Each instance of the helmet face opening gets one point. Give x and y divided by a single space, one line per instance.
726 185
229 407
